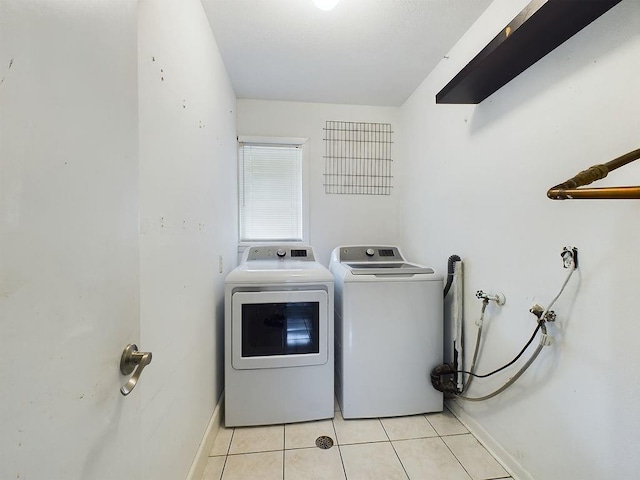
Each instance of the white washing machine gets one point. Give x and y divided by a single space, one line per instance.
279 360
388 332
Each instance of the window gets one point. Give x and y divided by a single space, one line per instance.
272 201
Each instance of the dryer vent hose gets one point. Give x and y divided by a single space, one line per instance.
450 265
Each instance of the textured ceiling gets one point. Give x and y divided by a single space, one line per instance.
365 52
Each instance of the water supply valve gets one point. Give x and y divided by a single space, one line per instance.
499 298
569 255
538 310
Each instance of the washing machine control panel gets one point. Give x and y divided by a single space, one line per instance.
378 261
370 254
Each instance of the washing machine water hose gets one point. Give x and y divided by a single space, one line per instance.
513 379
544 341
474 361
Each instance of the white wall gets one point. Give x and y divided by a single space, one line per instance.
333 219
187 220
475 184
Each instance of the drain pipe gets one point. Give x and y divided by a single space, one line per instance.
451 272
455 280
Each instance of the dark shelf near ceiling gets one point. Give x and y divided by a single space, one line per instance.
538 29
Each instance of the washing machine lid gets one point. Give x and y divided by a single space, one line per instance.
384 268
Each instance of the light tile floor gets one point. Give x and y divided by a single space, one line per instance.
421 447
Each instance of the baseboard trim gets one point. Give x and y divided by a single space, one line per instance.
509 463
200 460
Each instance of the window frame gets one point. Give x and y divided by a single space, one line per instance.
265 140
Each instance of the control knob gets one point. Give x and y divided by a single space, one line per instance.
281 252
370 252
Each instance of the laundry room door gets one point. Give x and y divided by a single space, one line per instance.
68 239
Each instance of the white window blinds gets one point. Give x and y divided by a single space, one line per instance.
270 190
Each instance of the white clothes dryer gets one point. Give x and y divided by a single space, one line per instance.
388 332
279 359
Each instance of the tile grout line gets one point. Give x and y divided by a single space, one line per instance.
226 457
449 448
335 433
456 457
283 467
434 428
394 449
284 444
474 437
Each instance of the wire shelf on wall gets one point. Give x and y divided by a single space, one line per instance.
357 158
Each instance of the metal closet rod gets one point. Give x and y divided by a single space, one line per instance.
570 189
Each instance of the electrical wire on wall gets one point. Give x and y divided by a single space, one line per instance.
544 315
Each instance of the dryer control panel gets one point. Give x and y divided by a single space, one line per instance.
280 252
